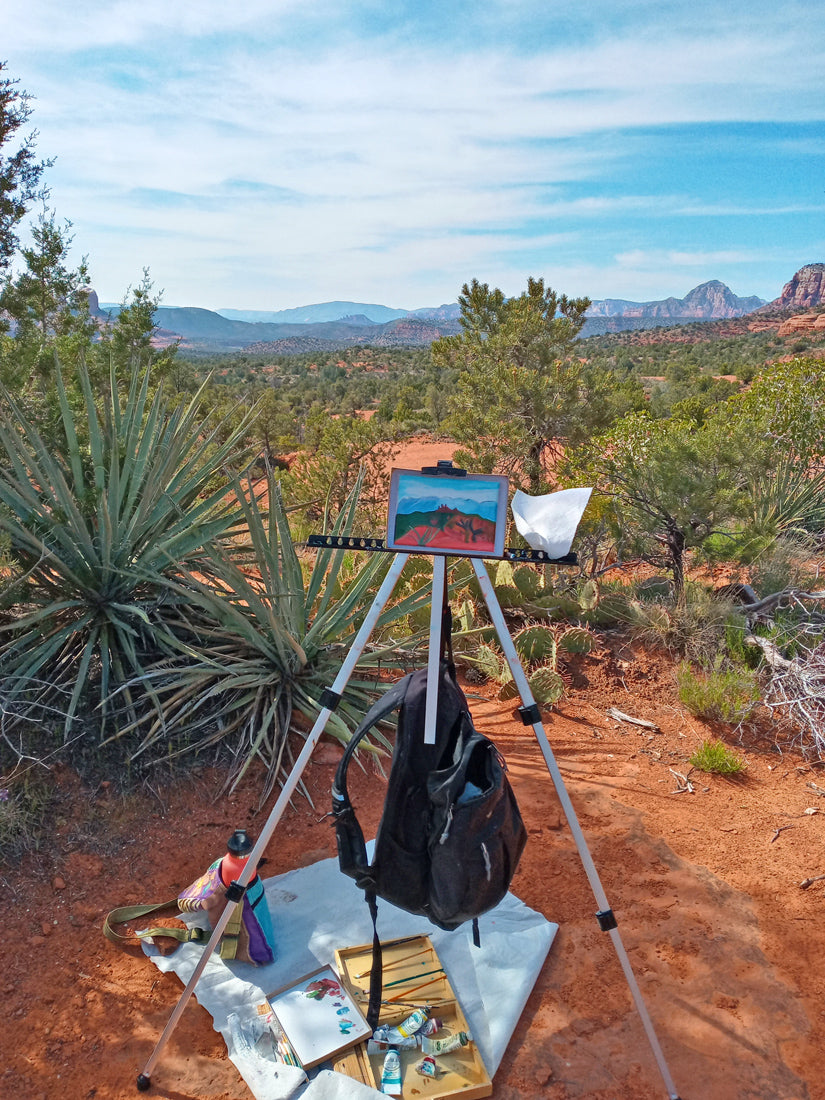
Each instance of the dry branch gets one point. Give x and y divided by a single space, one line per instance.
796 690
620 716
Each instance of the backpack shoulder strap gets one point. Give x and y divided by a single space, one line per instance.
391 700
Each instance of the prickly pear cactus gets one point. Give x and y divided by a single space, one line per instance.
510 596
528 582
554 607
575 640
536 645
588 595
491 663
504 574
546 685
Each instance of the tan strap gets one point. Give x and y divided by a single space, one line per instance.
135 912
232 932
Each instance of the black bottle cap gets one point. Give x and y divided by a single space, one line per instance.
240 843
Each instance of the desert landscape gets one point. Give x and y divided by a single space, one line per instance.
706 876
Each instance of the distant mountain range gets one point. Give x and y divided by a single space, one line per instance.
327 326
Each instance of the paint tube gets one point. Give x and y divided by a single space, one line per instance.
382 1038
391 1073
432 1026
427 1067
404 1035
413 1022
447 1044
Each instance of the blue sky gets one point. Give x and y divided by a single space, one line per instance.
289 152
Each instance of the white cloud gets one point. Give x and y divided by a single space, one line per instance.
192 135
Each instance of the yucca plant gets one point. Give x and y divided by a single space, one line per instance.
263 642
99 525
790 497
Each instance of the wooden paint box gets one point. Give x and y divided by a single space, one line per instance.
412 977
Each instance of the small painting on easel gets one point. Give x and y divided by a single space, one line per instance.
441 514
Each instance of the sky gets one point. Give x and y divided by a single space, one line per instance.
279 153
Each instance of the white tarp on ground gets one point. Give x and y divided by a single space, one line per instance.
316 910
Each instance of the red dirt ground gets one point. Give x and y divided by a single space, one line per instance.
727 948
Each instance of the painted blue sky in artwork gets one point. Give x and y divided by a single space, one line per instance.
275 153
420 493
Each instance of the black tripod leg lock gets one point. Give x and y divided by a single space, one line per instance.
234 892
530 714
607 920
329 699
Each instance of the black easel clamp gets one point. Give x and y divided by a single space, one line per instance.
607 921
530 714
234 892
329 699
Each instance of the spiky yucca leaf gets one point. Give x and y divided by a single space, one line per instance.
265 645
535 644
790 497
101 528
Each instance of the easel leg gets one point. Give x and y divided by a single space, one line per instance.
605 915
344 673
434 652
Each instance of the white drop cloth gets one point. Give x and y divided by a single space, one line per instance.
316 910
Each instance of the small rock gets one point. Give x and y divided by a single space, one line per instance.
58 883
46 928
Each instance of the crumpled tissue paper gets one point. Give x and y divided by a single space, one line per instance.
549 522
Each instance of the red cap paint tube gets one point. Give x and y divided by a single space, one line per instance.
238 849
427 1067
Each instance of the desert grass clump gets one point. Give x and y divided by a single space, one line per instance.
720 694
718 758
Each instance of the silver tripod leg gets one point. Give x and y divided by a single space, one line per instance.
605 915
357 648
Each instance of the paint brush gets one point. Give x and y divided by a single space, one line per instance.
413 978
416 988
396 962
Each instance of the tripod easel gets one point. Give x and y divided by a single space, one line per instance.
529 713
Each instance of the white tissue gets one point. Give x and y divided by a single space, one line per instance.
549 522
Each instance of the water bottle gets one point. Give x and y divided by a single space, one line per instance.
238 848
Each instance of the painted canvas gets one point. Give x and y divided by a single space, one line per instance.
438 514
318 1017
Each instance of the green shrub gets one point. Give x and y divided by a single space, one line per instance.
25 804
720 695
716 757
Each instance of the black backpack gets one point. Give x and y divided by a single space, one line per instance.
451 834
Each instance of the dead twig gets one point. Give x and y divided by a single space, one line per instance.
620 716
683 783
818 790
806 882
781 829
